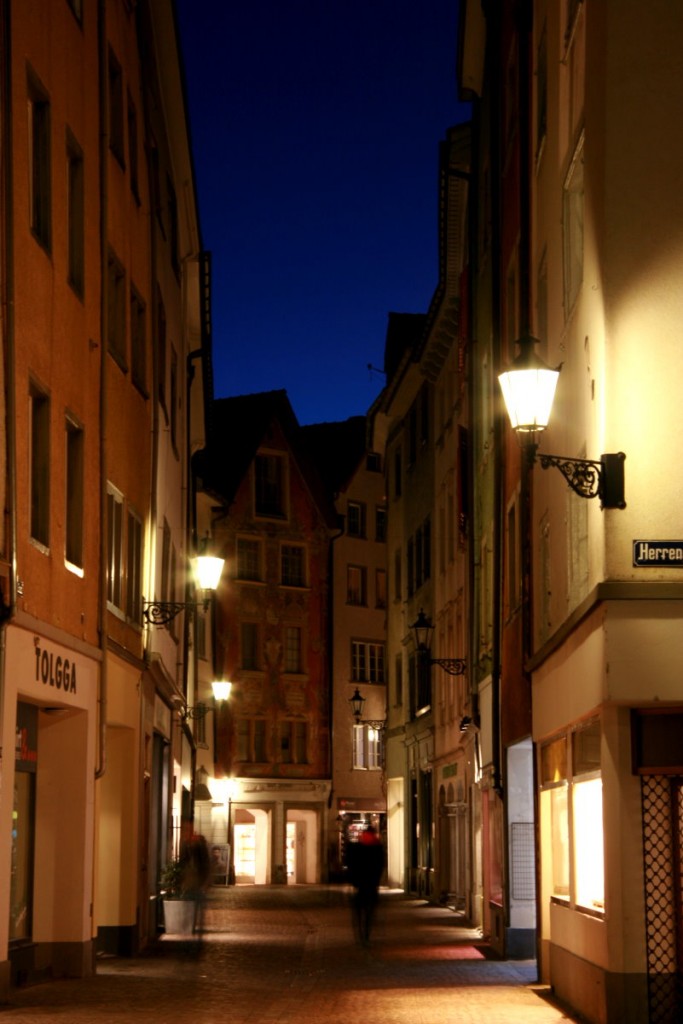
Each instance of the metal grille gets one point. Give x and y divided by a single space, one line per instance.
523 862
662 803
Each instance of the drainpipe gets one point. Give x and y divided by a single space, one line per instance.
7 611
104 307
493 28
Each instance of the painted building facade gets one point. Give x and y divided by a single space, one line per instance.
273 523
353 476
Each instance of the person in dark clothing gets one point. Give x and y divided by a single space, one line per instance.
365 864
196 872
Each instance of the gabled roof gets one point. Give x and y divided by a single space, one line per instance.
337 450
240 426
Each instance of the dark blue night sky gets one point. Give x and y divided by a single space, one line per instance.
315 127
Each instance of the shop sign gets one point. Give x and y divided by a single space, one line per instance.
648 553
54 670
353 803
449 770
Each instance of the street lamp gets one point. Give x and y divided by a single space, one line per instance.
221 691
207 570
228 789
528 388
357 701
424 630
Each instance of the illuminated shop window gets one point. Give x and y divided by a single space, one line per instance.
572 826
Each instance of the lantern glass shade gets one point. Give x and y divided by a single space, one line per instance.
423 630
357 702
208 570
528 388
221 689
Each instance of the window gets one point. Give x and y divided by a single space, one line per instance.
373 462
116 108
397 574
115 548
294 742
367 662
356 585
75 215
571 808
250 646
116 320
355 519
380 588
269 473
380 524
40 196
248 559
134 568
250 736
410 566
138 341
572 219
74 494
422 682
398 483
292 652
367 748
39 426
293 565
133 148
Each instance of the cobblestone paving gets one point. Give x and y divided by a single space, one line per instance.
287 955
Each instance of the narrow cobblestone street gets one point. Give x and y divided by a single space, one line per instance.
288 955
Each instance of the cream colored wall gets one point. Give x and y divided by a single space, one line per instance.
117 792
115 903
64 789
395 833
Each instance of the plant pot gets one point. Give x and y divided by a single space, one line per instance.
179 916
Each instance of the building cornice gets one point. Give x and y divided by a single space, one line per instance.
609 590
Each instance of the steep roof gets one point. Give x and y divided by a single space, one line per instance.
337 450
404 331
240 426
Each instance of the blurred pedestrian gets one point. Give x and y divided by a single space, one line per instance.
196 871
366 865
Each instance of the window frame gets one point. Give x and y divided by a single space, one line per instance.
368 662
270 489
39 466
361 590
116 309
249 559
39 161
138 340
75 214
115 107
367 748
293 565
74 518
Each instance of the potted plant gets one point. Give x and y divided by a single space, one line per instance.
180 907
